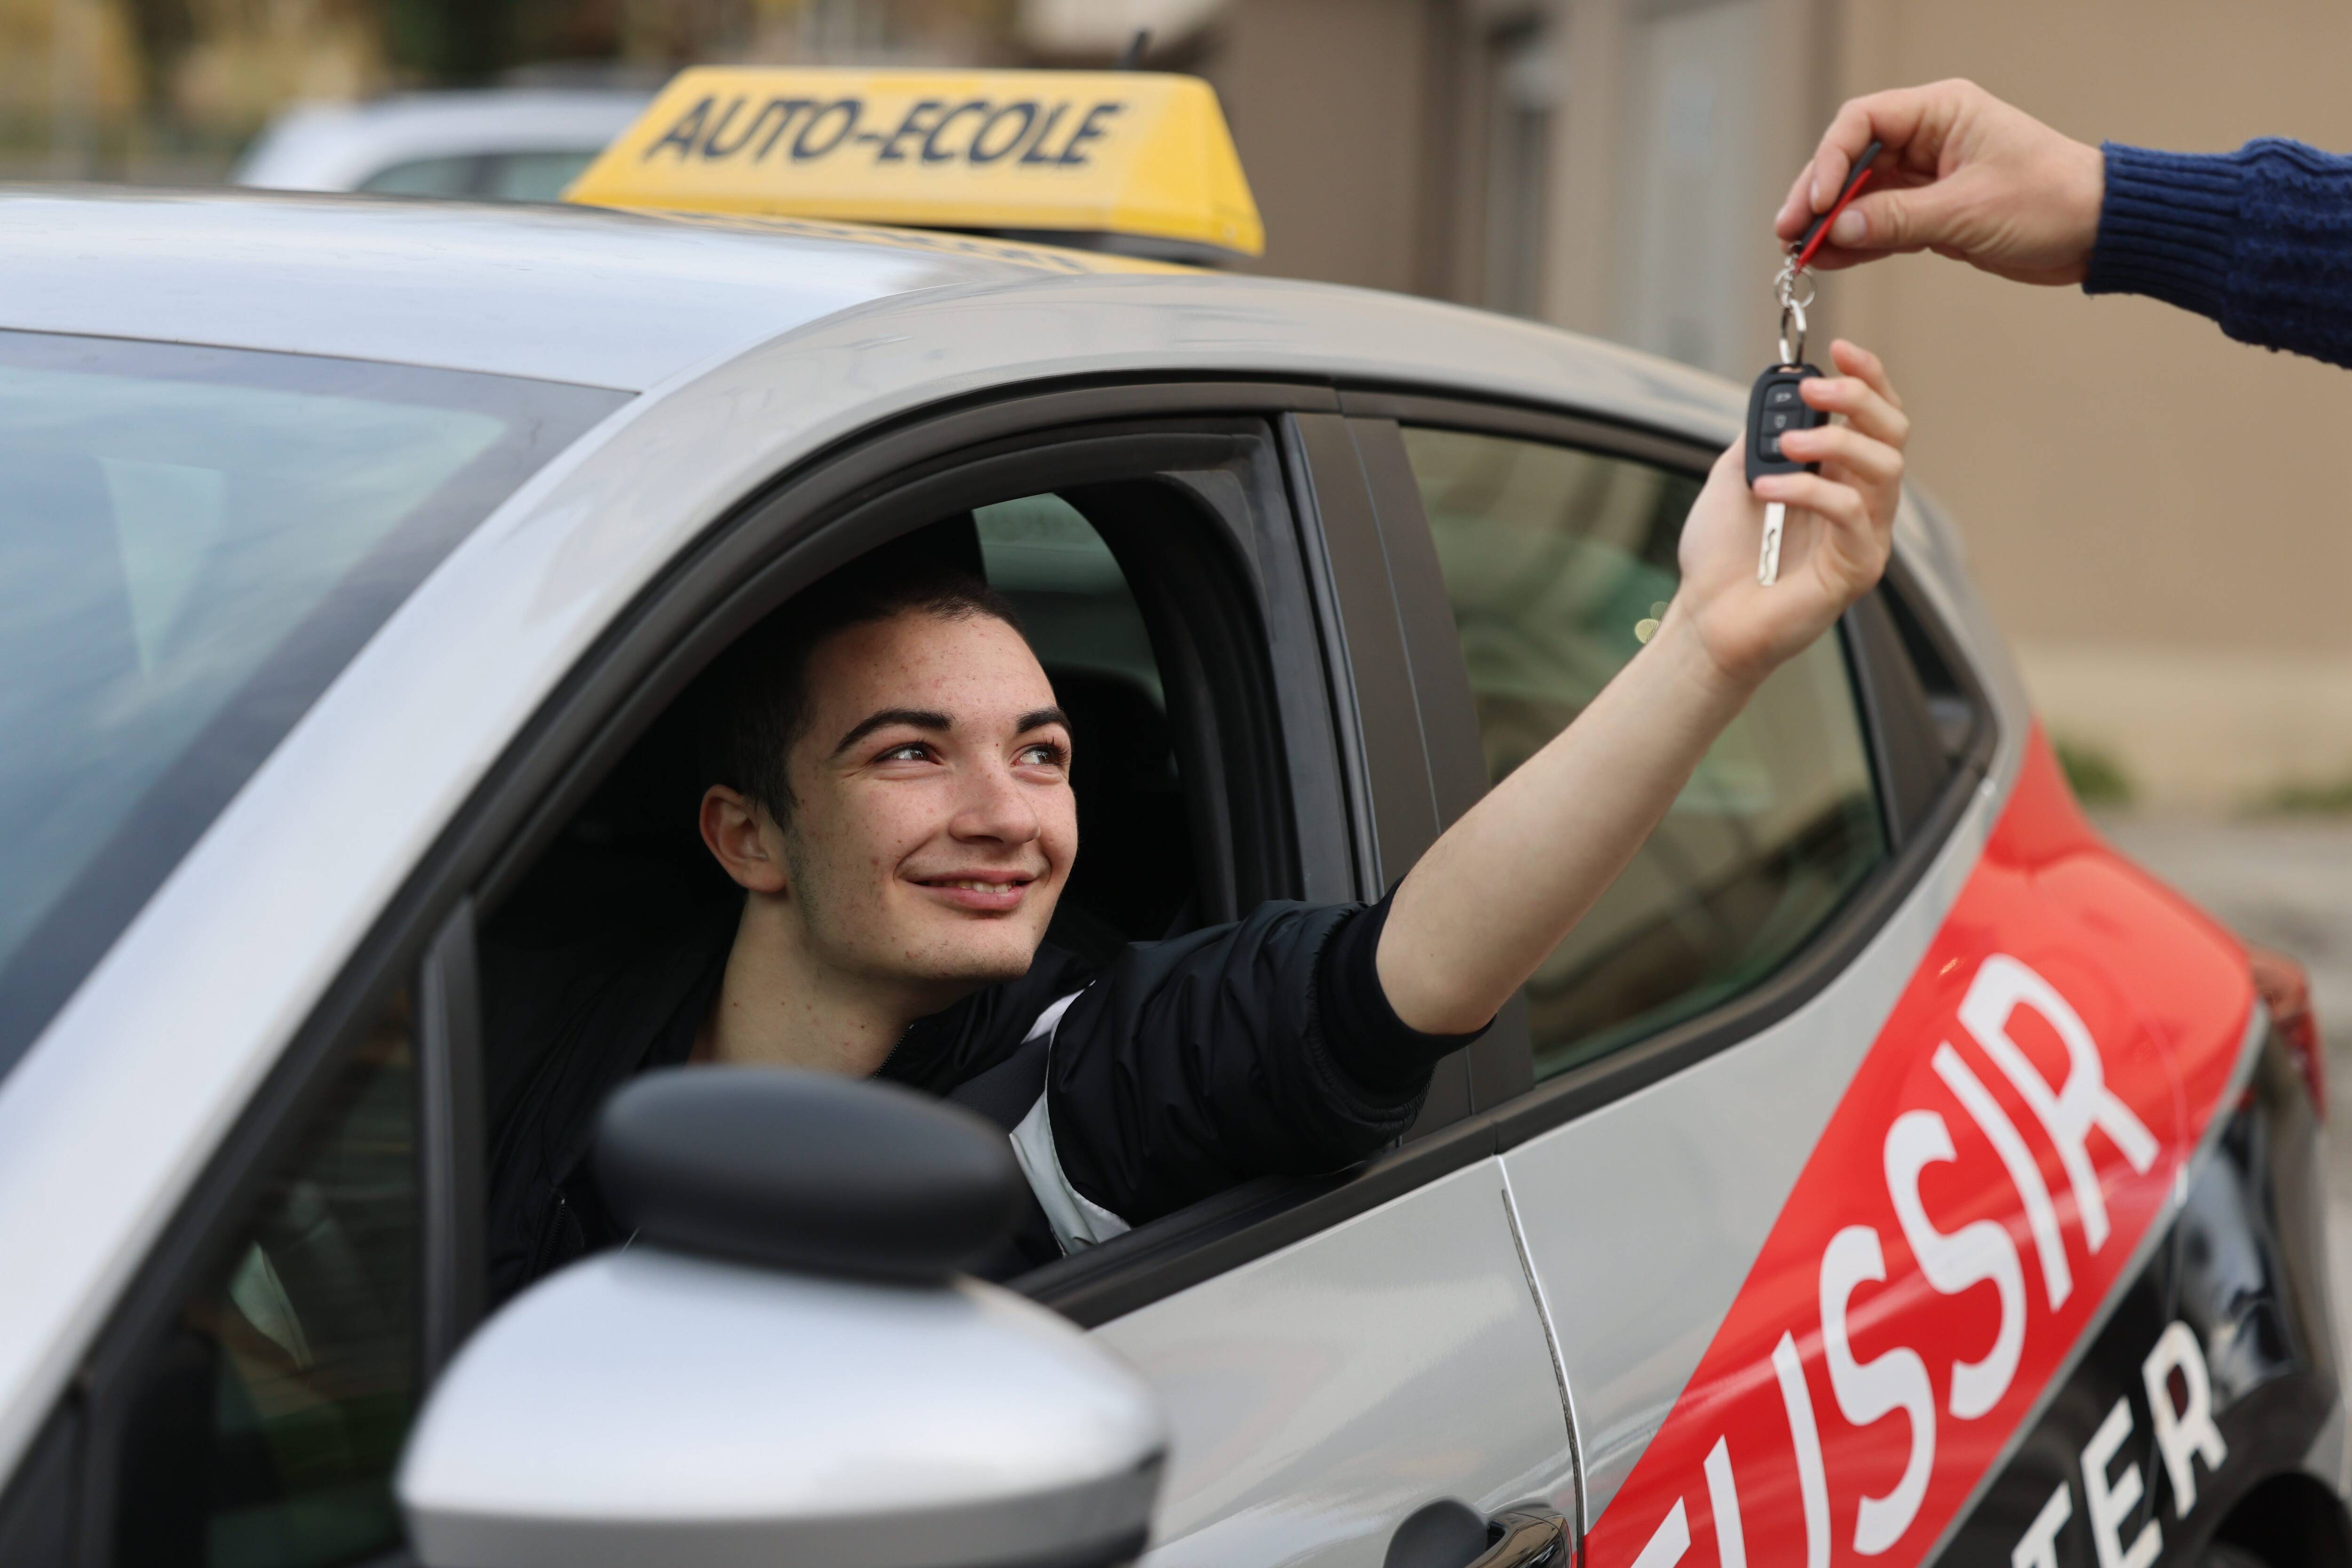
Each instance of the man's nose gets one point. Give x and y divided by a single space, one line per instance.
995 805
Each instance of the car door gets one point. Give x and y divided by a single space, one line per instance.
1336 1355
1690 1041
1341 1357
1875 1102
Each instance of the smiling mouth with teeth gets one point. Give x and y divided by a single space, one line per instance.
1013 882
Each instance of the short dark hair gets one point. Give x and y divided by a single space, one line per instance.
756 701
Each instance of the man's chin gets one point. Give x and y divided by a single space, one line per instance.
958 959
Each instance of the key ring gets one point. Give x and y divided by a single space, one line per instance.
1797 267
1785 287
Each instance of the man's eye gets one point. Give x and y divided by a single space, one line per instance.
1044 754
912 752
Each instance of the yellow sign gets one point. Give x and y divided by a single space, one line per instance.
1118 152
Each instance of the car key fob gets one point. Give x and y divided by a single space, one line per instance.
1774 407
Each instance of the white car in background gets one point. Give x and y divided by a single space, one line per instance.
516 144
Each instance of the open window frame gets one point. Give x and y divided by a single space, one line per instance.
1190 488
1410 742
1929 728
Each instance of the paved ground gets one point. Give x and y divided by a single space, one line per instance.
2285 884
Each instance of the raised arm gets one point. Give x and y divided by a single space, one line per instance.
2254 239
1506 883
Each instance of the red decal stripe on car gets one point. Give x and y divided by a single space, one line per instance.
2013 1134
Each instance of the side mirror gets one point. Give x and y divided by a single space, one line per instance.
688 1401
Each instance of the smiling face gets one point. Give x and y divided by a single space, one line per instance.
932 826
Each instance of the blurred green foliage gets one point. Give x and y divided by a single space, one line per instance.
2310 798
2095 774
451 44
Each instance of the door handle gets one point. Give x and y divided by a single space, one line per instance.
1450 1533
1526 1538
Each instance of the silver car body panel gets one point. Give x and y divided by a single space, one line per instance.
1642 1218
1318 1395
555 293
340 146
131 1088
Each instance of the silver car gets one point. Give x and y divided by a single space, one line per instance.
1885 1169
516 145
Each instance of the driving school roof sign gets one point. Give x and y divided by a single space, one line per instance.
1134 156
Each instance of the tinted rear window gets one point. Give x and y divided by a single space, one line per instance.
194 541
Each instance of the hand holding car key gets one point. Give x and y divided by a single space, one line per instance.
1776 404
1832 486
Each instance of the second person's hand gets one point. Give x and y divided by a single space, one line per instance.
1963 174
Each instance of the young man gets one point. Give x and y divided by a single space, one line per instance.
893 794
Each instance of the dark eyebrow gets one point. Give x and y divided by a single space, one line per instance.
916 717
1039 717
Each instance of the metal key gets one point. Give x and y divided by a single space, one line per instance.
1774 408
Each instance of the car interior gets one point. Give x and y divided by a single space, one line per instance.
1156 859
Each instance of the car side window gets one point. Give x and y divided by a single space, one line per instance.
484 176
264 1425
1558 563
533 176
453 176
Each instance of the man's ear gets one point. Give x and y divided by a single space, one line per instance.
735 829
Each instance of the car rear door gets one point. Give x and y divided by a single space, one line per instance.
1684 1049
1866 1093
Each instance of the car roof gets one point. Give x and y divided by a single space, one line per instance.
559 293
631 300
335 146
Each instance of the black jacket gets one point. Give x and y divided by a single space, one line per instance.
1179 1068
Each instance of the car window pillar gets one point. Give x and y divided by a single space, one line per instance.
449 1139
1399 803
1502 1064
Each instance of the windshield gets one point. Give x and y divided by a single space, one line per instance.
194 541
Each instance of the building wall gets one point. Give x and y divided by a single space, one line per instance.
2162 520
1329 103
2161 517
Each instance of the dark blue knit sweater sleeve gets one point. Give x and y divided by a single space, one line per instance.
2259 239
